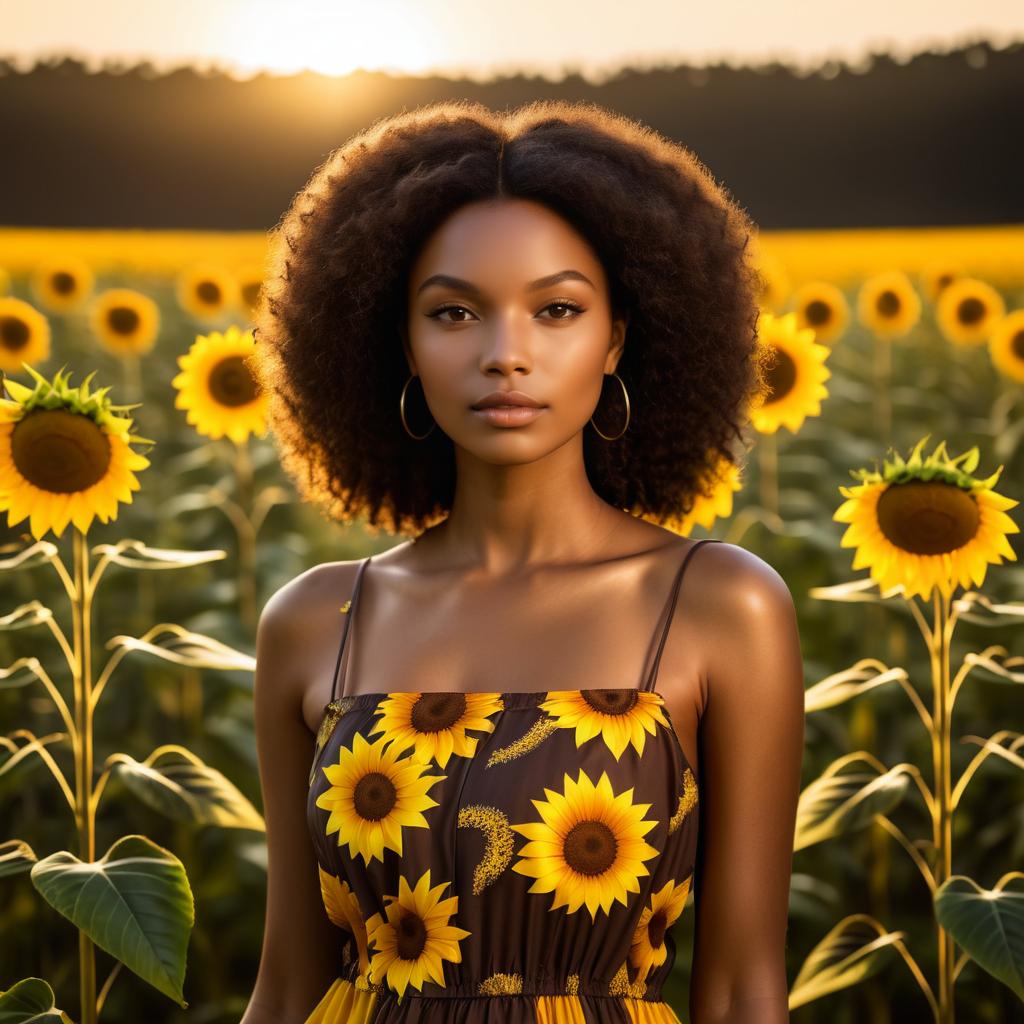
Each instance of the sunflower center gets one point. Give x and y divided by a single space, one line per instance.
14 332
62 282
374 796
232 382
927 517
817 312
943 281
590 848
887 303
410 936
435 712
970 310
1017 345
251 292
60 451
611 702
208 292
123 319
780 376
656 928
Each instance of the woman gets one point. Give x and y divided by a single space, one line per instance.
525 341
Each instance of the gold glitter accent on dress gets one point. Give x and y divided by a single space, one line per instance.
501 985
572 984
537 734
687 801
499 842
620 985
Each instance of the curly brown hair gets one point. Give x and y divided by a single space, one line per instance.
673 243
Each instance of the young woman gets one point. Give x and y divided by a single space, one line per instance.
525 341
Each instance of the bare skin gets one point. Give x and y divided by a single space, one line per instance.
534 582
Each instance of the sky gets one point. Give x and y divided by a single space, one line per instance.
471 39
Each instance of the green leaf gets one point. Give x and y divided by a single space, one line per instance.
988 924
135 902
133 554
857 947
16 857
177 783
30 1001
844 799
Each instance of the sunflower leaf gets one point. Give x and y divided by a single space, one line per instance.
183 647
856 948
16 857
842 686
987 923
135 903
31 999
142 556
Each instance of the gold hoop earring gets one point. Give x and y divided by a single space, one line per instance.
625 395
401 412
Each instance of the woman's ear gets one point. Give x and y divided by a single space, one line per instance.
620 326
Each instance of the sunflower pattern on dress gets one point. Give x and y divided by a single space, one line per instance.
502 857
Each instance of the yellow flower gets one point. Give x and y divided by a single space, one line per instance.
373 795
206 291
125 321
435 724
774 281
1006 345
24 334
926 523
343 910
618 716
647 950
707 509
417 936
823 308
217 386
64 455
796 376
63 284
968 310
938 276
250 285
888 305
589 848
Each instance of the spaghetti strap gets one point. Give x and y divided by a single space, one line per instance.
648 685
350 612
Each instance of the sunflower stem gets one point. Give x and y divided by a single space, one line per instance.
246 535
883 379
83 751
768 461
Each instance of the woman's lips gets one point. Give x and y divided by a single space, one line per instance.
509 415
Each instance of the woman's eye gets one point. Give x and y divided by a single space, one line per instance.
460 314
436 315
571 306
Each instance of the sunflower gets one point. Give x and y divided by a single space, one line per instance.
647 950
796 375
416 937
968 310
775 285
823 308
707 510
888 305
24 334
436 723
250 284
938 276
619 717
1006 345
125 321
64 455
926 523
62 285
343 910
589 848
206 291
217 386
373 794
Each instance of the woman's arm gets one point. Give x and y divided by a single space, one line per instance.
301 948
751 751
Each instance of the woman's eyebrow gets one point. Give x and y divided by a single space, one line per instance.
447 281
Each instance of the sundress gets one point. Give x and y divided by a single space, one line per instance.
502 857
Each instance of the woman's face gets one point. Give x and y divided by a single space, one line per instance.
506 296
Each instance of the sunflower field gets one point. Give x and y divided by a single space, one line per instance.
147 520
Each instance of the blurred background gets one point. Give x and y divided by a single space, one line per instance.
149 148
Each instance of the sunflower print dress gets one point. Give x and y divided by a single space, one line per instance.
502 857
